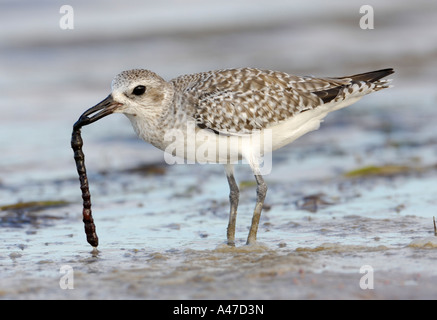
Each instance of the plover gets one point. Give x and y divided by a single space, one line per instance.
229 108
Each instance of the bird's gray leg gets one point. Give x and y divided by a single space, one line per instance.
233 198
261 192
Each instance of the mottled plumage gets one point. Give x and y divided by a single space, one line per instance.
231 106
242 100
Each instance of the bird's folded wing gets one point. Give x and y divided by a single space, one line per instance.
238 101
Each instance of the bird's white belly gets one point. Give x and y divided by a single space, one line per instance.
302 123
203 146
188 144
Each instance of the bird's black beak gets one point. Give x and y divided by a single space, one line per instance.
106 107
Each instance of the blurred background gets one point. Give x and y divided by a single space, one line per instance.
50 75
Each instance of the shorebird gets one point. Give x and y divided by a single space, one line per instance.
230 107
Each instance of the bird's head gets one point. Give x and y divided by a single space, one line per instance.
134 92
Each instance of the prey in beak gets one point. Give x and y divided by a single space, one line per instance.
100 110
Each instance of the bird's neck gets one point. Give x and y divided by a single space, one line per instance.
148 125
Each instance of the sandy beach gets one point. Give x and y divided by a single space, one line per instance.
356 195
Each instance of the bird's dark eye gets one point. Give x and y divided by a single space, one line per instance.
139 90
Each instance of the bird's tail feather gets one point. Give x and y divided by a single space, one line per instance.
371 76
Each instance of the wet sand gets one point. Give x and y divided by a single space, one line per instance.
358 192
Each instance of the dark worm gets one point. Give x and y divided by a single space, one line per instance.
100 110
79 157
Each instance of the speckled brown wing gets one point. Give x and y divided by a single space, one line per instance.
238 101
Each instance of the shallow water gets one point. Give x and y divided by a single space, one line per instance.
162 228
